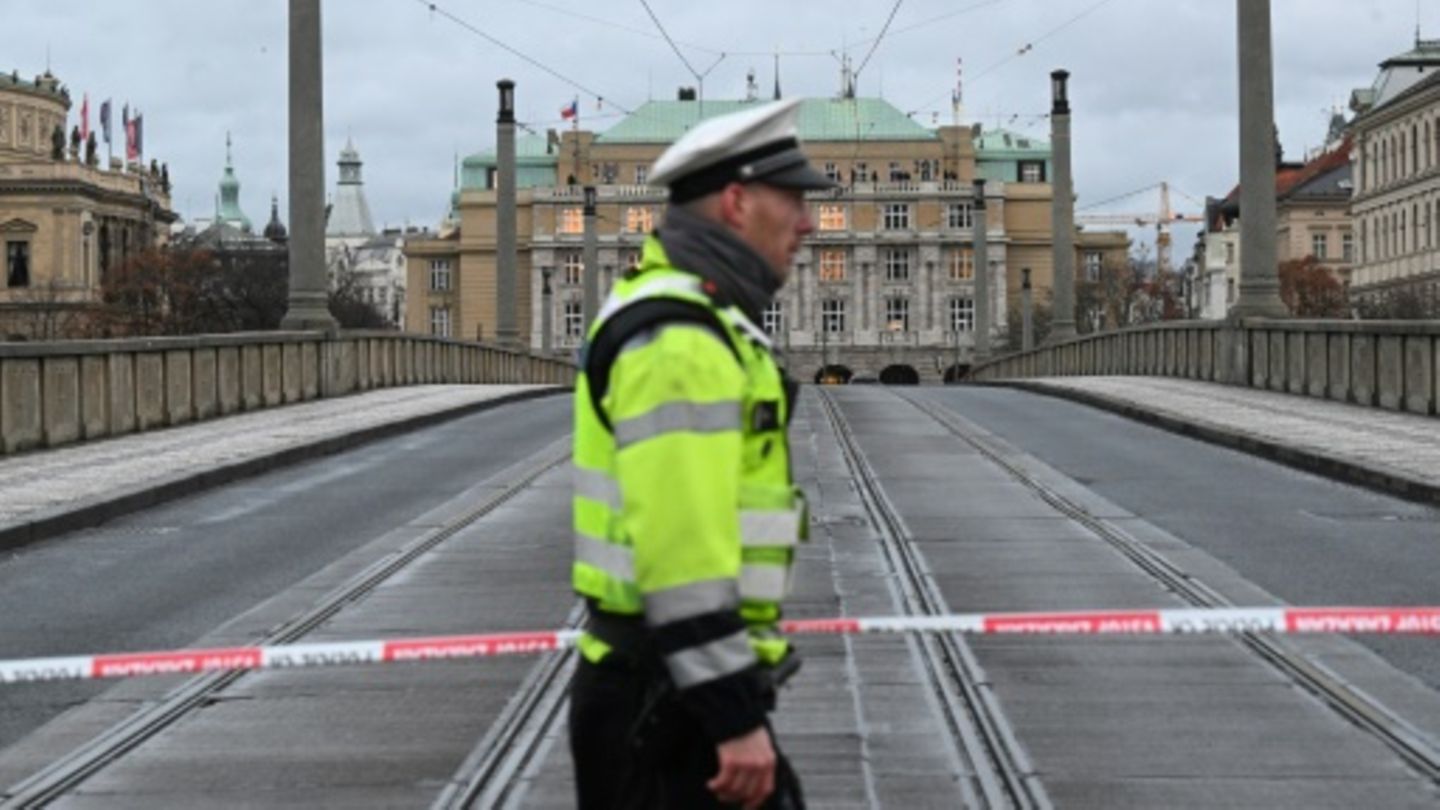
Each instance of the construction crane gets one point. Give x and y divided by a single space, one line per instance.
1162 219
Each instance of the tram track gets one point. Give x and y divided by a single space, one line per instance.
997 769
1412 745
69 771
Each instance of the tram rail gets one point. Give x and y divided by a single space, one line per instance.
1370 715
999 772
71 770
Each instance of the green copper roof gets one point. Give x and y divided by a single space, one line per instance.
821 119
530 150
999 143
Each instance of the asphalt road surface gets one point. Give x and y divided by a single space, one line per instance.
1304 538
162 578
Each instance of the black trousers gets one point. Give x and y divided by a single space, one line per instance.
634 751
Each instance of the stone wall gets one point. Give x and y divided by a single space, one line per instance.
53 394
1386 364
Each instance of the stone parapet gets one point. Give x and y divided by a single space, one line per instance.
53 394
1387 364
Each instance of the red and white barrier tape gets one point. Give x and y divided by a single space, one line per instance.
1347 620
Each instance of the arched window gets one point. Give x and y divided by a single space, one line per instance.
1414 148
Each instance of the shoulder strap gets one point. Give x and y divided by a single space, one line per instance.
604 347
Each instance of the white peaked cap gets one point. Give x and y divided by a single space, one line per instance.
755 145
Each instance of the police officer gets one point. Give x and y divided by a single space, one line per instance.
685 514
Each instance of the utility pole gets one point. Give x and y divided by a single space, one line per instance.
1062 210
591 278
506 253
982 275
309 300
1259 294
547 340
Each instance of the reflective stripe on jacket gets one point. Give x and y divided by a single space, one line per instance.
685 515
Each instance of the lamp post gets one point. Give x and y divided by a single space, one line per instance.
309 299
1062 319
591 278
507 257
1259 273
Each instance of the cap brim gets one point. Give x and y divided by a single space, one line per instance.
801 176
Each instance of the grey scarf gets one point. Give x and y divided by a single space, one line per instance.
697 245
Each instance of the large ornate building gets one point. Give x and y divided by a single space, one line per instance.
884 287
1396 156
65 219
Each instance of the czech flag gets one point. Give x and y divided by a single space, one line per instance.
570 110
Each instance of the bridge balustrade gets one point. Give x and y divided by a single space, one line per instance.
1386 364
53 394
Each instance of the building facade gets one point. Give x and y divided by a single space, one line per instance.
65 220
1396 169
884 287
356 253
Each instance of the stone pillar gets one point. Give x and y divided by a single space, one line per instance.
1027 319
309 303
983 301
1062 210
506 252
591 277
1259 294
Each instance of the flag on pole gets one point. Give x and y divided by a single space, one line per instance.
105 119
85 119
131 152
571 110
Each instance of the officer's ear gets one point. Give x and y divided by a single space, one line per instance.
734 205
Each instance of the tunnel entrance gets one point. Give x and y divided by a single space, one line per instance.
900 375
956 372
833 374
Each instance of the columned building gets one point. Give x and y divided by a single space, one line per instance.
884 287
1396 171
66 220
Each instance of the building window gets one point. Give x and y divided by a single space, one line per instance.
960 216
1091 263
832 217
440 321
572 266
639 219
1319 246
896 175
632 259
573 319
440 279
962 264
895 217
832 265
897 314
642 174
17 264
861 173
1229 253
832 172
1032 171
897 264
572 220
773 318
1347 247
962 314
832 315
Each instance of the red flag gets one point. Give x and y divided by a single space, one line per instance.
85 119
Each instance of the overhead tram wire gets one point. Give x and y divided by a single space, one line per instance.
1019 52
699 77
436 9
876 44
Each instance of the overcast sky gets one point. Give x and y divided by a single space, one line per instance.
1153 84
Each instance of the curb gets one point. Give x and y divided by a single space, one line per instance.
1334 467
48 523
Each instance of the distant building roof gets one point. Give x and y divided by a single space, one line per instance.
997 143
1398 74
821 119
349 215
1326 177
